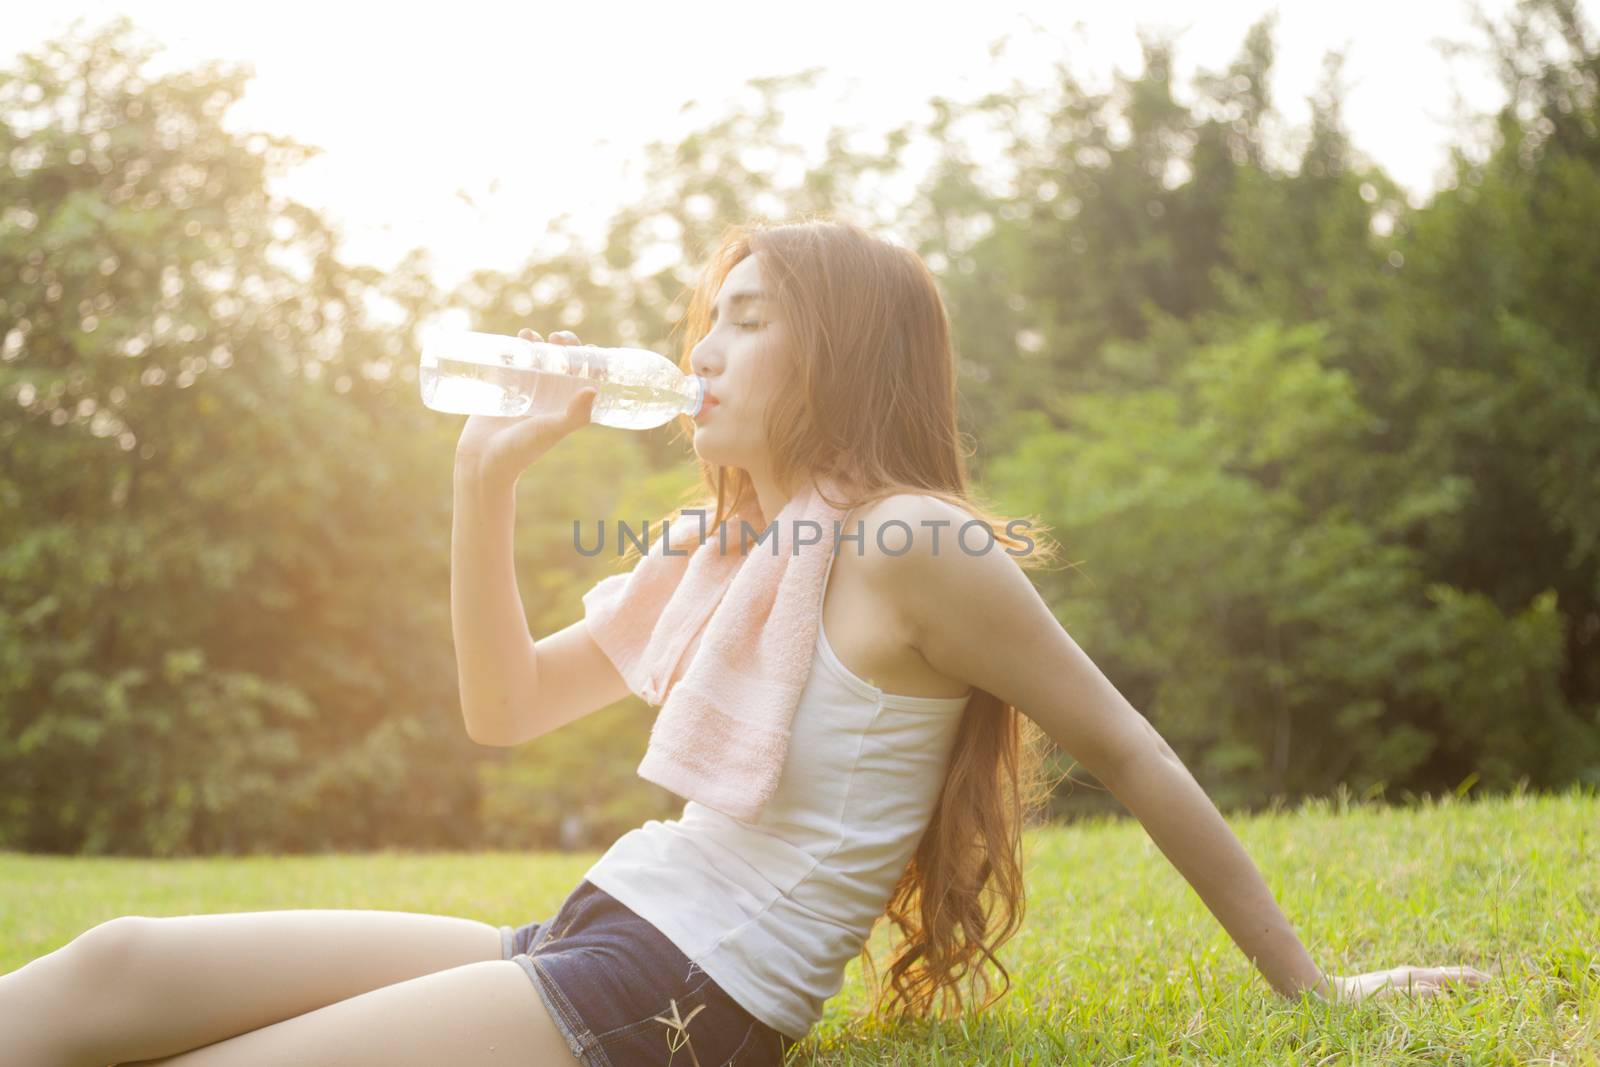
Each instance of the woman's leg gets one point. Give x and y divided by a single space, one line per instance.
137 988
478 1015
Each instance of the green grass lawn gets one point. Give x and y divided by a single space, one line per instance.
1117 961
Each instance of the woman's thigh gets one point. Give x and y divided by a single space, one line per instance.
164 985
479 1015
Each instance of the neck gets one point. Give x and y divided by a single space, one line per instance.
769 494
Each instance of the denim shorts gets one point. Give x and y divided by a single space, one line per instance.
622 994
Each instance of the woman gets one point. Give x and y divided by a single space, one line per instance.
913 765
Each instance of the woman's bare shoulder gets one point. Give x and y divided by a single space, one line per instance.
901 528
889 524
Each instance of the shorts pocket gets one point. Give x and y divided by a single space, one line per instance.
701 1027
762 1047
757 1044
758 1049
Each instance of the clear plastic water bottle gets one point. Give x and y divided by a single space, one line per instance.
470 373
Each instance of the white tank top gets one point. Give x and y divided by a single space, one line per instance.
774 910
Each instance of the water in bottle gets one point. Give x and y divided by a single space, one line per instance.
470 373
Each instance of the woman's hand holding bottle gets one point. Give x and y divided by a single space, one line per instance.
499 448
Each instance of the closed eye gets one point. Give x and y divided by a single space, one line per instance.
750 325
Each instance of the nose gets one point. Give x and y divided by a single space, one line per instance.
703 360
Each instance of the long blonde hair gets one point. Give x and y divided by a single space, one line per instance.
870 401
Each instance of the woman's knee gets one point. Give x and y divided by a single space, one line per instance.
66 1005
111 948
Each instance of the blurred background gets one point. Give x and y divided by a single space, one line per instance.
1283 321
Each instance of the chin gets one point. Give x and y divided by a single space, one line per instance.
708 450
716 453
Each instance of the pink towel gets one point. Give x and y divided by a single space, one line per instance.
723 641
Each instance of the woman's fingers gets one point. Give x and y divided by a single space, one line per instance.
560 337
1427 981
1405 979
1460 975
581 407
1464 975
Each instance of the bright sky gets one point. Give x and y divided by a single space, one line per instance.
535 111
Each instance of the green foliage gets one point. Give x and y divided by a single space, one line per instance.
225 535
1323 459
1269 628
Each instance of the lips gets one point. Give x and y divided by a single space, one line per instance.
706 405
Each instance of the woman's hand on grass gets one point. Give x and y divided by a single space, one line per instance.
1413 981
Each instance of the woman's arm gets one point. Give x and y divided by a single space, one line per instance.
1186 826
497 670
979 619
